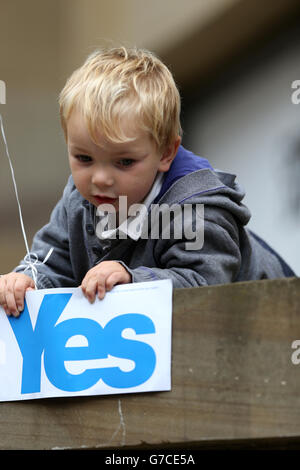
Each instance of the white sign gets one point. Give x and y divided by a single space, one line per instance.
61 345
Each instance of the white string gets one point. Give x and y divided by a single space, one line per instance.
29 263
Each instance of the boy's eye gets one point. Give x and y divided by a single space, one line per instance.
83 158
126 162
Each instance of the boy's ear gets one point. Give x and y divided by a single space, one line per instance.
169 155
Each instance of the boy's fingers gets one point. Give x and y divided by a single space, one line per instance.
113 279
85 282
2 295
19 291
101 286
101 292
12 292
90 289
7 311
2 291
10 298
102 278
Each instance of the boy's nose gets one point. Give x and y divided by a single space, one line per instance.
102 178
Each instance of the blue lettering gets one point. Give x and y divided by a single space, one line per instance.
52 338
31 342
56 353
141 353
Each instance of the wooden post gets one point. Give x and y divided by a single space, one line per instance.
233 381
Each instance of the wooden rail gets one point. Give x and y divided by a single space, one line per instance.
233 382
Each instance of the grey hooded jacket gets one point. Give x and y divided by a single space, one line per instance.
229 252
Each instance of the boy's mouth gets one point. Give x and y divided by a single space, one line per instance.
105 199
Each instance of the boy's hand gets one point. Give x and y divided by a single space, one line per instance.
12 292
102 278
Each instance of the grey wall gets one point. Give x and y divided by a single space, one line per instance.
246 123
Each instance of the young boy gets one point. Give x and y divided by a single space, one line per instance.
120 115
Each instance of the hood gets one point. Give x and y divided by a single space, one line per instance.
192 180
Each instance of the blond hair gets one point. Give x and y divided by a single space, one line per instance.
116 83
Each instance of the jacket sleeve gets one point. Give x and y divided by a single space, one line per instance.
57 271
217 261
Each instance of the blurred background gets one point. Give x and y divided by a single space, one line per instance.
233 60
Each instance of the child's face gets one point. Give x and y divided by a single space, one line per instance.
104 172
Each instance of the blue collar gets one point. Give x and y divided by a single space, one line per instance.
185 162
